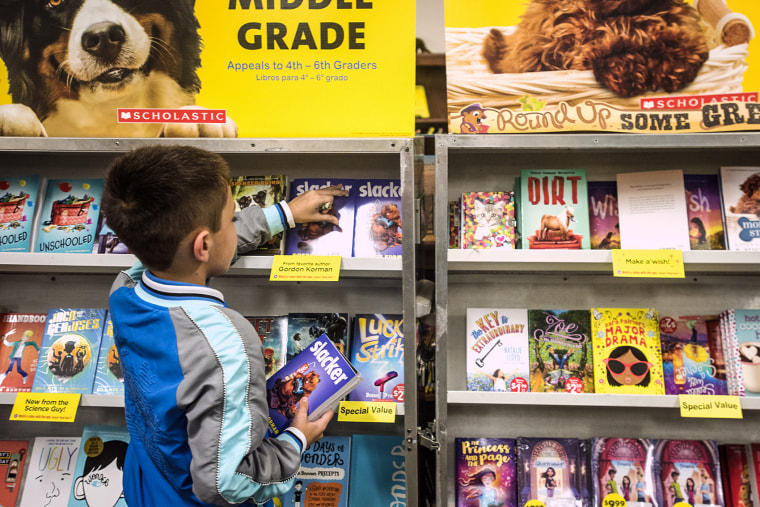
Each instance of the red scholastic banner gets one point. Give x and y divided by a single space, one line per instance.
126 115
649 66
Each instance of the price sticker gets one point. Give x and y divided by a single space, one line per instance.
518 385
614 500
398 393
574 385
534 503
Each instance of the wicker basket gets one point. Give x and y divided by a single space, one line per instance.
70 214
12 210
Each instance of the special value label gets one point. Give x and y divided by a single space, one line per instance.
367 411
305 268
48 407
715 407
647 263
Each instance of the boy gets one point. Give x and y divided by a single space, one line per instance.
195 394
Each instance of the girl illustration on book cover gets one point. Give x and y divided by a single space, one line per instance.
479 491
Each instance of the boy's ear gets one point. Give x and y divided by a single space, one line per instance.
201 246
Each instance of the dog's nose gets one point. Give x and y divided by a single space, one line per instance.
104 40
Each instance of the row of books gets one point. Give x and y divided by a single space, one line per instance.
561 209
87 471
63 215
613 350
599 472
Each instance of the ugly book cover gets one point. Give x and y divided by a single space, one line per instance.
486 472
377 351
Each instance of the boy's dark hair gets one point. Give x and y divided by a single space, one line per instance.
155 196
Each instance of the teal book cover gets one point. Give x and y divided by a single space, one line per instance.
97 478
109 379
378 473
323 478
18 197
554 209
68 356
68 219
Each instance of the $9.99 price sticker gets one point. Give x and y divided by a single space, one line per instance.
534 503
614 500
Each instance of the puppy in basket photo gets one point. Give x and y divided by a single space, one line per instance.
749 202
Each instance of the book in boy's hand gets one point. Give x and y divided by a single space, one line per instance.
320 373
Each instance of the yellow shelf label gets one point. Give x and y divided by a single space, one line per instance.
716 407
48 407
647 263
367 411
614 500
305 268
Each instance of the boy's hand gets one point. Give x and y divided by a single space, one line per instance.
313 206
313 431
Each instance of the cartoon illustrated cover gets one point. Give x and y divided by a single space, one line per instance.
486 472
497 349
18 197
553 209
304 328
560 351
686 359
553 471
69 215
717 349
747 331
324 238
624 466
99 467
735 474
109 379
705 212
377 352
741 207
261 191
604 225
627 353
106 240
689 471
273 331
320 372
50 471
377 219
487 220
323 478
12 461
378 475
68 356
21 335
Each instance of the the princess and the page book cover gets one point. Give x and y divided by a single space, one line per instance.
485 472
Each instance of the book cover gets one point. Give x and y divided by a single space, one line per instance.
304 328
686 360
553 209
68 356
261 191
754 459
689 471
487 220
377 218
273 331
560 353
106 240
731 352
320 372
486 472
109 379
324 238
378 474
21 335
704 211
323 478
18 197
747 331
553 471
455 217
12 468
97 480
717 350
741 207
627 353
377 352
623 466
69 216
497 349
50 471
737 484
652 210
604 224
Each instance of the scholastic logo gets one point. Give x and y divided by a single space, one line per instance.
695 101
171 115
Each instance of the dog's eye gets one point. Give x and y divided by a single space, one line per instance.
54 3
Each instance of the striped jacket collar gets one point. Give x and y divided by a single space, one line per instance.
169 289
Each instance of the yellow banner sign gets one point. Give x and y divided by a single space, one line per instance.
48 407
305 268
715 407
648 263
367 411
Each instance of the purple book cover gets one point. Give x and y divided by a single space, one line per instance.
377 352
378 227
604 227
704 209
485 472
689 471
623 466
554 471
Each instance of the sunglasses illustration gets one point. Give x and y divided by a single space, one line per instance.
636 369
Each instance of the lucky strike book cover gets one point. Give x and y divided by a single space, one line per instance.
305 327
273 331
497 349
323 479
560 351
109 379
486 472
18 198
21 335
320 372
487 220
12 462
554 471
627 352
261 191
623 466
377 219
377 352
688 471
704 211
68 356
604 224
324 238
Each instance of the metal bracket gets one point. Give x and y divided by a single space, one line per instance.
426 437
